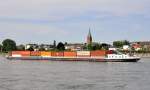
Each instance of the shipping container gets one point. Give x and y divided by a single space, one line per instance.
83 53
35 53
20 53
98 53
70 54
60 54
53 53
45 54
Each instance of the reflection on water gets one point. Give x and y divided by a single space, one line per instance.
51 75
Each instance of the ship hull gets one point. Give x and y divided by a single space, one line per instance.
90 59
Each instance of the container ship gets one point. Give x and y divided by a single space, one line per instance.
91 56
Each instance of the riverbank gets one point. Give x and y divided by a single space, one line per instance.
3 54
147 55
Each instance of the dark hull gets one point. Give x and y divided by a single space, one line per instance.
74 59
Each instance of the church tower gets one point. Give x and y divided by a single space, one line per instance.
89 37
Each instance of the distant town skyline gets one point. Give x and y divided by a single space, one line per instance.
42 21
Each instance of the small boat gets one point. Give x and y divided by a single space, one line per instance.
113 57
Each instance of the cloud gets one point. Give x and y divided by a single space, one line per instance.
44 20
62 9
30 32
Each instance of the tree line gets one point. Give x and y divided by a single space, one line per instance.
10 45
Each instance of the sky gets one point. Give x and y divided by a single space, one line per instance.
42 21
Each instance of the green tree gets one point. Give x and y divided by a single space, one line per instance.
96 47
105 46
9 45
120 44
117 44
60 46
125 42
89 47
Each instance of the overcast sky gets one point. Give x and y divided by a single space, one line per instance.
42 21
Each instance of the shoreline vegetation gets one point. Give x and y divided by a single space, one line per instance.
143 55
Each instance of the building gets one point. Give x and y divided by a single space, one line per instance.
89 38
126 47
46 47
34 46
145 43
37 47
74 47
141 44
136 46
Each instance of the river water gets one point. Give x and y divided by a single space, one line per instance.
59 75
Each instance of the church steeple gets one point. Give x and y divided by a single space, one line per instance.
89 37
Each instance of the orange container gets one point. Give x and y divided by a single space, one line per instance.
70 54
98 53
44 53
35 53
53 53
61 54
22 53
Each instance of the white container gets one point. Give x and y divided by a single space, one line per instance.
83 53
16 55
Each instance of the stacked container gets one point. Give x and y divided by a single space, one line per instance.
35 53
20 53
98 53
53 53
46 54
83 54
70 54
59 54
